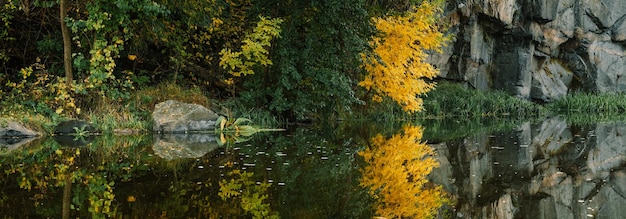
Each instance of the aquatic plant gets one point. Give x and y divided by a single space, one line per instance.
237 130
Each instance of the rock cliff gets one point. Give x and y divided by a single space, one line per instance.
536 49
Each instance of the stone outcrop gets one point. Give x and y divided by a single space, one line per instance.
14 135
536 49
16 130
178 117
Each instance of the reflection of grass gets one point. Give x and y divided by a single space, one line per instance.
446 129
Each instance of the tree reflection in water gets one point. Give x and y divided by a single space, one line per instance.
396 175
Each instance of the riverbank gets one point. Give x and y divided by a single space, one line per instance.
447 101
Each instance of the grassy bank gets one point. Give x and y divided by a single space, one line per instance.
447 102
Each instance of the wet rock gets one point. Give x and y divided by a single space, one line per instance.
178 146
16 130
178 117
72 127
14 135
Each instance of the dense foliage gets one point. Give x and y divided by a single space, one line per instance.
298 59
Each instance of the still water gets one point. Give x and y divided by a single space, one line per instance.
456 169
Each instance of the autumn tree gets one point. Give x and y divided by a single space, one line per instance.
396 175
397 66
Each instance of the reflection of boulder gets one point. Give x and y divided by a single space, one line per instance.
74 140
14 135
177 146
8 144
177 117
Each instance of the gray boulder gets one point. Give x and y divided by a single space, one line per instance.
71 127
16 130
14 135
178 117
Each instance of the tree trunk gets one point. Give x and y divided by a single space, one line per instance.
67 43
67 195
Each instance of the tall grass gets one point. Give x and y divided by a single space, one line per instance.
454 100
603 103
259 117
135 113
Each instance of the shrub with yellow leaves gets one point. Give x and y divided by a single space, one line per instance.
397 67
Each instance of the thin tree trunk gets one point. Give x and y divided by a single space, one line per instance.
67 191
67 43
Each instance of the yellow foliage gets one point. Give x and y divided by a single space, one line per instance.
396 175
397 68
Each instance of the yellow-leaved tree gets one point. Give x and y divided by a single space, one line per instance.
396 175
397 67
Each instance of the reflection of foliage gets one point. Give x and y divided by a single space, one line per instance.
251 197
313 170
397 172
41 170
101 197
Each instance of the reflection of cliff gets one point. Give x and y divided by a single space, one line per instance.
545 170
396 175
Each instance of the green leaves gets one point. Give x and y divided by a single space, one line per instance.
253 49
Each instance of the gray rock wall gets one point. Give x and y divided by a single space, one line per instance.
536 49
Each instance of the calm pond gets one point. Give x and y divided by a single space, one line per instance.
544 169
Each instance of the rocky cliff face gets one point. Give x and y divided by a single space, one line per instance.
537 49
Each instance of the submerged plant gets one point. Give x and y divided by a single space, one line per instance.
237 130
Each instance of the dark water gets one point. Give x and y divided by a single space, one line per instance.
480 169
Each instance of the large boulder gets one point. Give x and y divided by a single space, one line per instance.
16 130
72 127
14 135
177 117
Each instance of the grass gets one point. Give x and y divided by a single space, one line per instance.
449 101
28 117
454 100
604 103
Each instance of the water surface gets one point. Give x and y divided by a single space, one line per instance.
456 169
